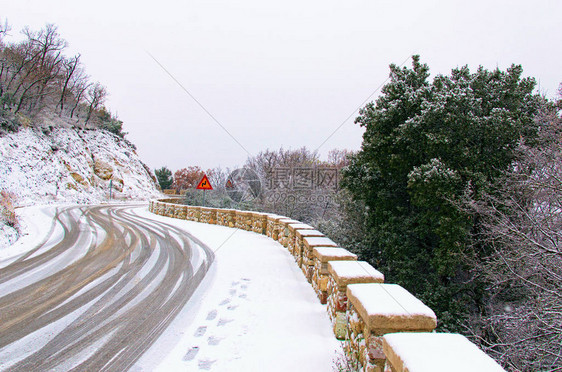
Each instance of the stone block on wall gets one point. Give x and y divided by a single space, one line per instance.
293 227
308 244
322 256
299 243
376 309
283 230
259 222
274 225
271 225
226 217
438 352
341 274
208 215
194 213
244 220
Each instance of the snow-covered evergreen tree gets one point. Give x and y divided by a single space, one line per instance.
426 146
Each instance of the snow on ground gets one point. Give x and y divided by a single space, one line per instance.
254 311
71 165
34 223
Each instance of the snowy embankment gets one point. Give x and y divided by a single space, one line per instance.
71 165
254 311
65 165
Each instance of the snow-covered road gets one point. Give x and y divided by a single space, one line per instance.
96 292
253 311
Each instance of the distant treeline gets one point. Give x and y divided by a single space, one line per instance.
38 80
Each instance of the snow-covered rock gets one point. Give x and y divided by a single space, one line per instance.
71 165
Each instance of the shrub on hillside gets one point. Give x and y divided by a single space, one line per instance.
7 212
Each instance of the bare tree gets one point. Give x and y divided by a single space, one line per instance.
70 67
80 86
4 29
289 179
218 178
339 158
522 325
40 61
4 62
36 85
36 77
95 96
263 163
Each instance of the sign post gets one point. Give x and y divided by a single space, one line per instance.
204 185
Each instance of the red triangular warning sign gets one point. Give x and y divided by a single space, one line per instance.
204 184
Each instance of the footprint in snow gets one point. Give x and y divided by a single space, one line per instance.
222 322
206 364
200 331
234 284
243 295
190 355
225 301
233 291
212 315
213 341
232 307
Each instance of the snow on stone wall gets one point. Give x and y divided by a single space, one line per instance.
71 165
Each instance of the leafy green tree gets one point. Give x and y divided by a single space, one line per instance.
164 176
426 146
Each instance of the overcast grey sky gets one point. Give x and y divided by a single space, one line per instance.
284 73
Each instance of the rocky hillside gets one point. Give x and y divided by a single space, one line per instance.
60 164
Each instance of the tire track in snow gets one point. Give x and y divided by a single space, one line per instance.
105 308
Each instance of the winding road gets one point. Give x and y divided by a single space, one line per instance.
97 292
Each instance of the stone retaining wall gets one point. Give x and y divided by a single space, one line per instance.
362 310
